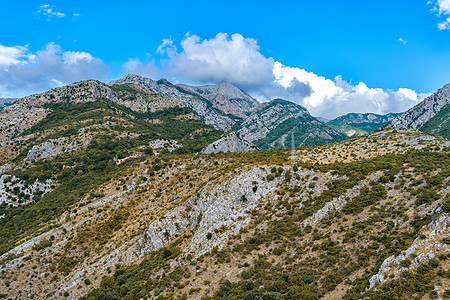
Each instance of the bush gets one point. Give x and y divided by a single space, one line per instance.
270 177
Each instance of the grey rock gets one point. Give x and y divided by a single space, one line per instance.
229 143
169 145
47 149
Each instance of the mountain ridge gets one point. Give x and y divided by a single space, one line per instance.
425 111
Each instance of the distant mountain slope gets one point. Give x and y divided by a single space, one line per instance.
7 101
226 97
204 107
357 123
430 115
272 125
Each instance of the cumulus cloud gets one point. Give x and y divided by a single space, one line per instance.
330 98
23 72
135 66
47 11
442 8
238 60
234 59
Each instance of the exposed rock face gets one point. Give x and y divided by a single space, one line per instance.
229 143
184 98
272 114
272 125
11 186
226 97
423 112
47 149
169 145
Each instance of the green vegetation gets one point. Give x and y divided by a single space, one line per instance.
138 281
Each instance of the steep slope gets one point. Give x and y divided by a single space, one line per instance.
272 125
204 108
358 124
226 97
362 218
430 115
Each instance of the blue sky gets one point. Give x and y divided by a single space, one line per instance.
386 45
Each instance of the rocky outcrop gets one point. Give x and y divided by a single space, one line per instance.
423 112
47 149
229 143
14 191
169 145
202 106
420 252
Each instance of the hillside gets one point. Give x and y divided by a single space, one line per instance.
357 124
272 124
431 115
120 192
107 222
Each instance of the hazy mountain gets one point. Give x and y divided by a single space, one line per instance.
7 101
431 115
357 123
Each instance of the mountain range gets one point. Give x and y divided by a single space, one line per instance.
143 189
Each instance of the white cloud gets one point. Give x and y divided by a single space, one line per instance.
330 98
234 59
23 72
442 8
12 55
238 60
47 10
70 57
135 66
402 40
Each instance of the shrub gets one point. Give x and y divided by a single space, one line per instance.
270 177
